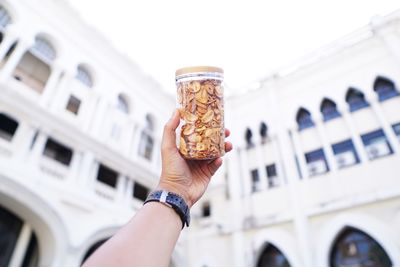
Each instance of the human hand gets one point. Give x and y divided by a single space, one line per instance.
187 178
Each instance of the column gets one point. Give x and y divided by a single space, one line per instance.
121 189
357 141
327 147
129 192
279 161
50 88
299 154
74 167
134 150
85 179
300 218
235 191
23 140
387 128
155 156
99 116
14 59
245 172
6 44
21 246
38 149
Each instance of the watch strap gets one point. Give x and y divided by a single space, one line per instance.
175 201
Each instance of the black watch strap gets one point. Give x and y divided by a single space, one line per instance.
174 201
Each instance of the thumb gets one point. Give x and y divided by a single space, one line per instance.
169 135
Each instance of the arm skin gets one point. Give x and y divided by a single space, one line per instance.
148 240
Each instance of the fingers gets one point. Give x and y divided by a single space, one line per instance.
169 135
214 165
228 146
227 132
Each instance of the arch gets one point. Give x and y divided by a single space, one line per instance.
98 236
375 228
354 247
272 257
51 234
44 49
263 130
83 74
8 126
281 240
329 110
385 88
248 135
304 119
123 103
5 17
355 99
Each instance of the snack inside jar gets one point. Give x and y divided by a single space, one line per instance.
201 106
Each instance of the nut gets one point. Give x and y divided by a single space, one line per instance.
202 111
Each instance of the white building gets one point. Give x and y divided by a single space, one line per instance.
80 131
314 179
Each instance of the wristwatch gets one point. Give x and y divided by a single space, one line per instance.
174 201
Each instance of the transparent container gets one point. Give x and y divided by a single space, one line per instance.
201 105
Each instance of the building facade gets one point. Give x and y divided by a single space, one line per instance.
313 180
79 137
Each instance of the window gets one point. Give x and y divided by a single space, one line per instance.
73 104
58 152
43 50
355 248
146 146
272 257
329 110
84 76
316 162
356 100
140 191
10 51
396 129
272 176
123 104
5 18
249 136
255 179
345 154
376 144
107 176
263 132
206 210
385 88
8 127
304 119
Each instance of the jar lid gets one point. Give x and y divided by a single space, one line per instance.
195 69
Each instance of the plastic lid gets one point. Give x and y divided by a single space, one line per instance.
198 69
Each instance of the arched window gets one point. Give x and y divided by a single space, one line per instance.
263 131
5 18
249 138
385 88
35 66
83 75
355 248
8 127
93 248
10 230
304 119
356 100
147 141
272 257
329 110
122 104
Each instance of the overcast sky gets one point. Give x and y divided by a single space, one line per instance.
247 38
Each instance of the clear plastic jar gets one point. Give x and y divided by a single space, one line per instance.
201 106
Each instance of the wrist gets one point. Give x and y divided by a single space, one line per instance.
177 189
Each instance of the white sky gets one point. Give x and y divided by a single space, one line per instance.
247 38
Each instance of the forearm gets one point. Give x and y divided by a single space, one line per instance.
147 240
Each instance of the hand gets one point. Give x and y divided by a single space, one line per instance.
188 178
